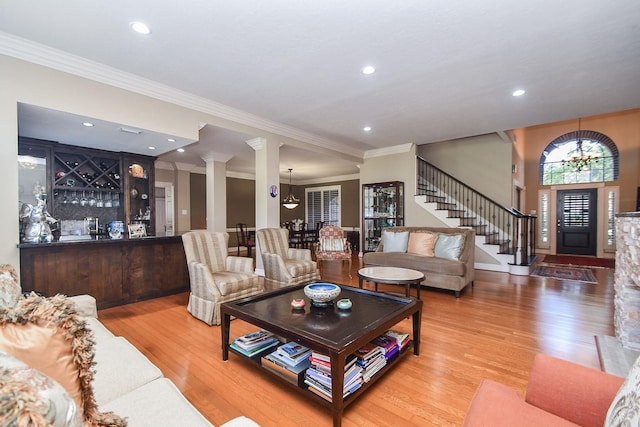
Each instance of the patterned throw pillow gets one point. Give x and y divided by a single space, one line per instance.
10 291
625 408
422 243
332 244
395 241
28 394
49 335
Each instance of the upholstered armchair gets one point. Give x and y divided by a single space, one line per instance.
215 276
284 266
332 246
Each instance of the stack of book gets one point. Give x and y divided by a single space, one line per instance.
254 343
401 337
289 362
389 344
318 376
292 354
371 359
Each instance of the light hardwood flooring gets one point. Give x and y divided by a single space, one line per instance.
493 331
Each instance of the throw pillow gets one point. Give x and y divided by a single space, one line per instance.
393 241
48 335
31 398
332 244
10 291
422 243
625 408
449 246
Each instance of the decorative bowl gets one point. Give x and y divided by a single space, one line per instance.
322 294
297 303
344 304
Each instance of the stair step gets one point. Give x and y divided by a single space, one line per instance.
430 198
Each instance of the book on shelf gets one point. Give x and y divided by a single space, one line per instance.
300 357
293 374
369 351
373 368
325 393
254 336
292 349
401 337
264 345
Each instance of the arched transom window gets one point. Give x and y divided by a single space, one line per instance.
579 157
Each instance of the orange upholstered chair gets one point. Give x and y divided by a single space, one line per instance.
332 246
559 393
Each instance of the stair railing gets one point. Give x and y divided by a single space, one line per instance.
513 231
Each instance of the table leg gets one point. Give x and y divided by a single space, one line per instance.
417 321
360 282
226 325
337 387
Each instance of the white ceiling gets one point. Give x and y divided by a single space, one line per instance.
445 69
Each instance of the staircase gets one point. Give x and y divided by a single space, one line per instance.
505 238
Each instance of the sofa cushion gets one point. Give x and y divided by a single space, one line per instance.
625 408
332 244
421 263
158 403
120 368
496 404
27 393
422 243
395 241
100 332
449 246
48 335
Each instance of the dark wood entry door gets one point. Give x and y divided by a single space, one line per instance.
577 222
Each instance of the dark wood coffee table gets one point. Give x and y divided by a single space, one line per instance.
337 333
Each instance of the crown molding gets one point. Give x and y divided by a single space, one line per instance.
40 54
386 151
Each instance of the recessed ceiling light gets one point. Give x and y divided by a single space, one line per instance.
518 92
87 124
140 27
180 150
151 147
171 140
369 69
367 128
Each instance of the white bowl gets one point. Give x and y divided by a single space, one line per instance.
322 292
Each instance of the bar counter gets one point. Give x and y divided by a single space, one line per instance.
114 271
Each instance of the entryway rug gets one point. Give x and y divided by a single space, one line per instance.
564 273
584 261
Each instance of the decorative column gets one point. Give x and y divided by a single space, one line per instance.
216 184
267 175
627 280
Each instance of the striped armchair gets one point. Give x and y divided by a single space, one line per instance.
284 266
215 276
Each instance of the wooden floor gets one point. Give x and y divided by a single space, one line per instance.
493 331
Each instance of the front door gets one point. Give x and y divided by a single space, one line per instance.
577 222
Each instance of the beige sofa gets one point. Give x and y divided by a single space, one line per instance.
98 378
440 272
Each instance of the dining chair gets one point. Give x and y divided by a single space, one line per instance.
244 239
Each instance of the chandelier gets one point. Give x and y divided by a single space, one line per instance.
577 159
290 201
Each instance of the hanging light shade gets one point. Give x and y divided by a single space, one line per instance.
290 201
578 159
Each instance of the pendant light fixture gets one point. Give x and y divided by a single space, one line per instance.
578 159
290 201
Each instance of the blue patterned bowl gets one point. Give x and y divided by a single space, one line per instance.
322 293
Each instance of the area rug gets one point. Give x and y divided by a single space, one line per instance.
564 273
584 261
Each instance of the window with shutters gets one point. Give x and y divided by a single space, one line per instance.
323 205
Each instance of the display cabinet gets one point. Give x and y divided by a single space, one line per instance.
139 194
382 206
88 189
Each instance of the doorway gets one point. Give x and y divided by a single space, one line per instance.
164 208
577 220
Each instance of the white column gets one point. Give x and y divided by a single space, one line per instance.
216 184
267 174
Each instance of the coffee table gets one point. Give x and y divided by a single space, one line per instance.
336 333
392 275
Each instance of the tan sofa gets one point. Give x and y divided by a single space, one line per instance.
442 273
